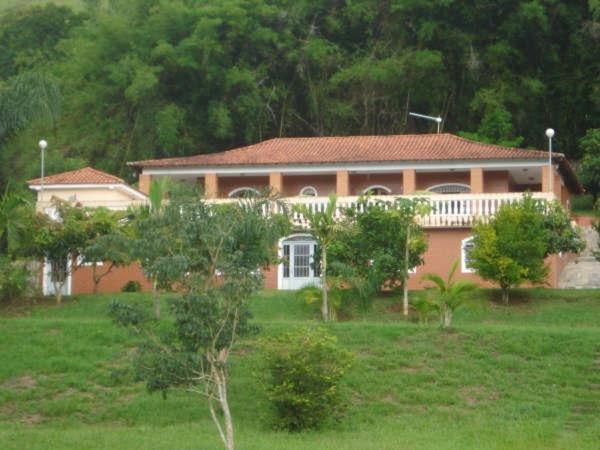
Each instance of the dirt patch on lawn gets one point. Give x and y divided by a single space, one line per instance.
32 419
473 395
23 382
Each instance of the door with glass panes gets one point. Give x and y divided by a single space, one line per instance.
299 266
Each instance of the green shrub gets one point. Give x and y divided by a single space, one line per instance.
583 203
14 280
132 286
126 315
304 370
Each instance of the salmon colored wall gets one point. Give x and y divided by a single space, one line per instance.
444 249
496 181
270 275
228 184
82 282
428 179
359 182
324 184
565 197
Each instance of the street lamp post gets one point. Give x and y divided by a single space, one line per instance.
437 120
550 135
43 144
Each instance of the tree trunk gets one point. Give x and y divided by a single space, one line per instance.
447 317
405 284
325 303
155 299
405 297
58 294
224 402
218 392
95 279
505 295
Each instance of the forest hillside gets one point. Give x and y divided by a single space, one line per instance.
107 82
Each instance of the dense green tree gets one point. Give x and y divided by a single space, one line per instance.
29 37
382 243
589 171
511 247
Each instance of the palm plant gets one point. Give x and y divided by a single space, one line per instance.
323 226
446 296
14 221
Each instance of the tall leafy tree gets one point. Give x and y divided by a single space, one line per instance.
221 250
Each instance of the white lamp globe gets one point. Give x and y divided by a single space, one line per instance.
43 144
550 133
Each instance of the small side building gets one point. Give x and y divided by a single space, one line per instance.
89 187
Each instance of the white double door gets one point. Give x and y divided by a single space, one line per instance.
298 267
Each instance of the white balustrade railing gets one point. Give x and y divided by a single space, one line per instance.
445 210
109 204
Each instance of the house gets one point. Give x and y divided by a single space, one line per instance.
88 187
463 181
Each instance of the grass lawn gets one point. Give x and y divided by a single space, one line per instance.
520 377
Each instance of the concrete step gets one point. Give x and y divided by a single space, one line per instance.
584 272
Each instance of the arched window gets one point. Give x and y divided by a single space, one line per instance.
377 189
244 192
308 191
450 188
465 260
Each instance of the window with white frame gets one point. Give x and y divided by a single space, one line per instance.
465 260
450 188
377 189
244 192
308 191
81 261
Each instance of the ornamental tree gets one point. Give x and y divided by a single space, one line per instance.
214 255
60 240
383 242
510 249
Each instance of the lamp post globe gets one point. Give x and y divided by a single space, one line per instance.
43 144
550 133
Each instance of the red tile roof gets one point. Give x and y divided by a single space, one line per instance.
87 175
351 149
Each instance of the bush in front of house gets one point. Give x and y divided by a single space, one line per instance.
126 314
304 370
132 286
14 280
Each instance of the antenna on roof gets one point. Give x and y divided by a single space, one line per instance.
433 119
